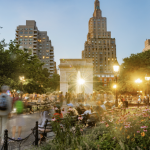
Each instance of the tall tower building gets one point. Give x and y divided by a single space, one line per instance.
36 43
147 45
100 46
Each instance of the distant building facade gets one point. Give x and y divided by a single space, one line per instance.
37 43
147 45
100 46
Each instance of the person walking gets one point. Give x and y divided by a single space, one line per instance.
19 122
5 109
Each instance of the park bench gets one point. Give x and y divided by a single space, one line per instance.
48 128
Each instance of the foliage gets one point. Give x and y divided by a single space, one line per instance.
98 86
15 62
134 67
115 131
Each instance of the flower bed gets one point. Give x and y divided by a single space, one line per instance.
114 131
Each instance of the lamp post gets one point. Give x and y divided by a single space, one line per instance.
147 79
138 81
116 70
22 79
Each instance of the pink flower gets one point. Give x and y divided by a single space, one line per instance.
113 137
56 108
80 118
107 125
102 122
53 119
81 130
145 130
138 131
70 109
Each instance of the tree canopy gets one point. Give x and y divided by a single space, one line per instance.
15 62
134 67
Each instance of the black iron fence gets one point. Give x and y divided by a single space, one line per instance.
7 140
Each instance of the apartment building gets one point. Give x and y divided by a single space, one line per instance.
36 43
147 45
100 46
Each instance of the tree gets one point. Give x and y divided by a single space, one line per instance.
15 62
133 67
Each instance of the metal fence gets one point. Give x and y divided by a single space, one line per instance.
31 139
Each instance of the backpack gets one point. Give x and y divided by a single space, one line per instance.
3 103
19 107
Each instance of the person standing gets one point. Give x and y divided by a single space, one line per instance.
5 109
61 99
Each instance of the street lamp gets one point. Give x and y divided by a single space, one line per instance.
138 81
147 79
22 80
116 70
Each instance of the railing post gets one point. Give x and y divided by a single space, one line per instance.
36 134
5 140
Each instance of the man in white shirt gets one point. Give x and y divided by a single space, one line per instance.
88 111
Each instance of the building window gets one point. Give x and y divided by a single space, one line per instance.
47 57
20 39
47 50
30 42
20 32
26 28
25 32
25 36
30 39
30 28
26 39
43 57
25 43
30 36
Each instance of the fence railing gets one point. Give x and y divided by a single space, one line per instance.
34 132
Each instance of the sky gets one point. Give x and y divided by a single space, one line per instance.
66 22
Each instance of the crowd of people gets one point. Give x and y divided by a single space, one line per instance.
75 105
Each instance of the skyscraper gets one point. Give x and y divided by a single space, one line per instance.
147 45
100 46
37 43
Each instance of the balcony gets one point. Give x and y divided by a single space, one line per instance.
35 44
51 71
35 30
51 58
34 41
51 68
17 30
17 33
51 65
52 52
35 37
51 55
35 33
34 48
16 37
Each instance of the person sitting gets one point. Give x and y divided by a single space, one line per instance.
58 113
27 105
72 110
43 117
80 109
102 104
88 110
